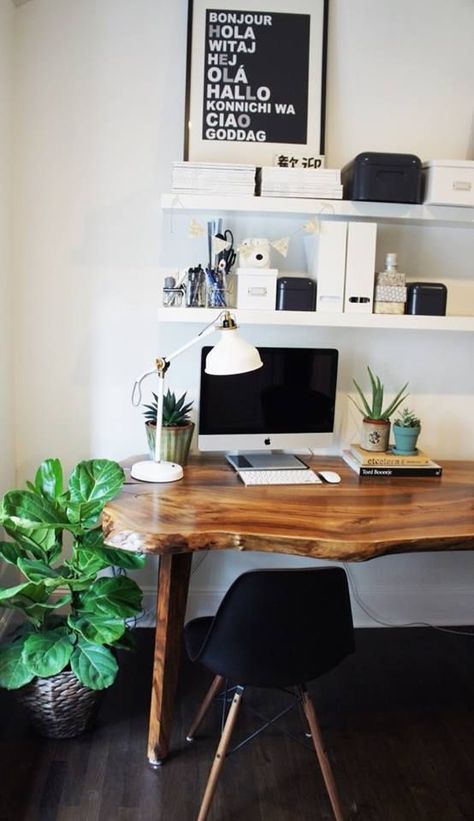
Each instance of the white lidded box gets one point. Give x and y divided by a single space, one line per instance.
256 288
449 182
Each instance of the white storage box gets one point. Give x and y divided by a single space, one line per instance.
449 182
256 288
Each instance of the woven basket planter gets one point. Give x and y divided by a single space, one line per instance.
59 706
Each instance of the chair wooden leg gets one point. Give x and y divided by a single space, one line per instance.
326 770
217 682
220 755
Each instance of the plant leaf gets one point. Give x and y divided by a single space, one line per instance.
96 480
10 552
114 596
97 628
126 642
36 570
46 654
13 671
49 479
8 594
24 510
93 664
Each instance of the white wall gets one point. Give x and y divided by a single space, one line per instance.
99 96
6 324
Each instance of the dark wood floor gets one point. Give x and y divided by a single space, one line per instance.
397 717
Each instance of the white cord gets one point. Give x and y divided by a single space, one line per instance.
137 388
367 610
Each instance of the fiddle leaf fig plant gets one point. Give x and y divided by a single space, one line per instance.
373 407
73 618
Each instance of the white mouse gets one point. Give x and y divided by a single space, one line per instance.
329 476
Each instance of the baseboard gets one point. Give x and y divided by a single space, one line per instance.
437 605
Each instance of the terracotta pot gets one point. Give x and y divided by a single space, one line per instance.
375 434
175 442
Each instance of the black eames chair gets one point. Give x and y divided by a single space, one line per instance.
274 628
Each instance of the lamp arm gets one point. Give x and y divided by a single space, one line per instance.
209 329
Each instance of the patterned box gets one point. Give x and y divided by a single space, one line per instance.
391 278
389 307
390 293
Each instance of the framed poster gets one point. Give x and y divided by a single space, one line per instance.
255 82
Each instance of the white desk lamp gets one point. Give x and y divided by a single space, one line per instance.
231 355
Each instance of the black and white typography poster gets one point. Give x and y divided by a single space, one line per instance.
255 79
256 76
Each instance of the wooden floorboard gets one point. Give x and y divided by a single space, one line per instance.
397 718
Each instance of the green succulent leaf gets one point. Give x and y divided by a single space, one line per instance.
49 479
10 552
114 596
46 654
13 671
93 664
98 629
97 480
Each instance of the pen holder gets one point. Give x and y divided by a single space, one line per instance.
217 292
217 297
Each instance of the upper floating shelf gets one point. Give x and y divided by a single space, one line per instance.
327 209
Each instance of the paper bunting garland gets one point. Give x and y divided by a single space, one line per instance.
281 245
219 245
195 229
312 226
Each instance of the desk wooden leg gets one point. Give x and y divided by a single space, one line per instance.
173 583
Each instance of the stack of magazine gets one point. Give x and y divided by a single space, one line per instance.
311 183
387 464
213 178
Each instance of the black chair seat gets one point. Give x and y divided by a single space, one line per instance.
273 628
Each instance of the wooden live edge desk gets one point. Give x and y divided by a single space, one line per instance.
210 509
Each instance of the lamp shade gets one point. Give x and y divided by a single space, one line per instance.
231 355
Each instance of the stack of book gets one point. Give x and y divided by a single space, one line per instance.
312 183
386 464
213 178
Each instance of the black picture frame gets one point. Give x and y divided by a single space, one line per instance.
255 80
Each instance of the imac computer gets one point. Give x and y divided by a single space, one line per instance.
286 405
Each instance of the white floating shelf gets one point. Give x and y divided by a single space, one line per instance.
325 209
204 316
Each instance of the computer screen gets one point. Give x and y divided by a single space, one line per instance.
287 404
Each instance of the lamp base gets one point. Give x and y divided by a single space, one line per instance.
148 471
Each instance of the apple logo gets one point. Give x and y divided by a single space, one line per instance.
268 441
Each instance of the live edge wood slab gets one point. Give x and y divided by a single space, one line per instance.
210 509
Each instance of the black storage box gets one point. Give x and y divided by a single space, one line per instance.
426 298
378 177
295 294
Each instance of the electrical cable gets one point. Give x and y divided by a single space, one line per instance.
371 614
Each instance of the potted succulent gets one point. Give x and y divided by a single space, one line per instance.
63 654
406 429
177 430
376 417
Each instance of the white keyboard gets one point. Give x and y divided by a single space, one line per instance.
279 477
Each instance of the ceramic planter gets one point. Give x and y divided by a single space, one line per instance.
375 434
175 442
405 439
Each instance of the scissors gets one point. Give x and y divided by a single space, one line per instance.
228 255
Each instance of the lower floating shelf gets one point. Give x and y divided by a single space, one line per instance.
204 316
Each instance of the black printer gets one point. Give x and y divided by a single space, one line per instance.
378 177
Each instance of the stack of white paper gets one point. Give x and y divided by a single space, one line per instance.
213 178
313 183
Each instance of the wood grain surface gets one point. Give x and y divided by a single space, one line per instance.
355 520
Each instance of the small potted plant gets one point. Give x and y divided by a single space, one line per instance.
406 429
376 417
177 430
63 654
